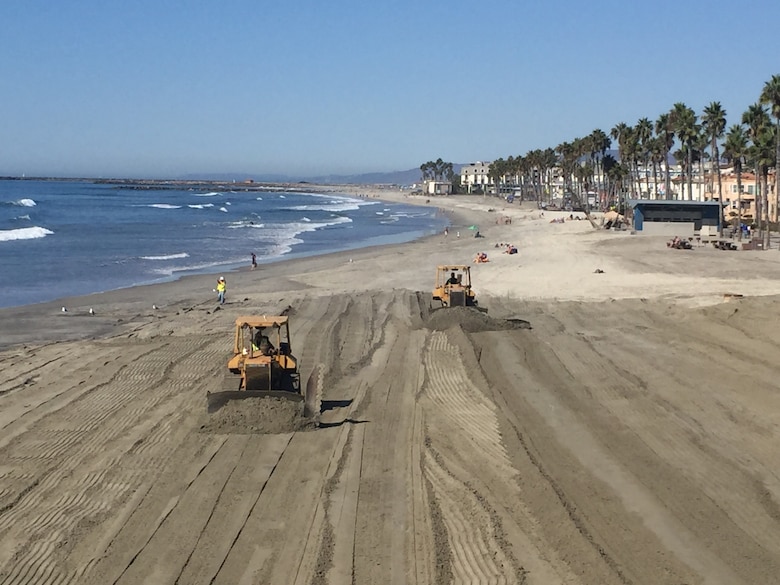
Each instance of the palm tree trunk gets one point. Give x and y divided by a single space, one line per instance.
717 168
765 199
667 177
655 181
739 201
759 203
777 167
690 172
701 177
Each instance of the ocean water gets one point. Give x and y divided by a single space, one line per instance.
64 238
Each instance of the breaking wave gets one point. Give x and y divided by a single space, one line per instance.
21 203
167 257
29 233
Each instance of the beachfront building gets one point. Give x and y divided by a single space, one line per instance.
475 177
677 218
432 187
731 199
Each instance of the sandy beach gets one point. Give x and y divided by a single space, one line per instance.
629 436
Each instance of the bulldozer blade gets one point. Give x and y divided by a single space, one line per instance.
312 404
216 400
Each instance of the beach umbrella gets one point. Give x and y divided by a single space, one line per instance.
473 227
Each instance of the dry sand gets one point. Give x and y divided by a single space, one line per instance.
630 436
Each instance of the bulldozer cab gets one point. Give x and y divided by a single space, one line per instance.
268 336
262 354
453 286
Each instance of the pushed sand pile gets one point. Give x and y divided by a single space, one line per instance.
258 416
471 320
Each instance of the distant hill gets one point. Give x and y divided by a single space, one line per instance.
408 177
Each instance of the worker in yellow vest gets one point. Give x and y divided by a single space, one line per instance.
221 289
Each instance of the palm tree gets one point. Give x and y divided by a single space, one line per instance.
497 172
756 119
665 132
657 153
631 151
618 132
599 144
735 150
617 174
548 163
687 130
763 154
701 143
626 139
770 96
714 120
644 132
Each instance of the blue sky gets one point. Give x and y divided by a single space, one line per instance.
163 88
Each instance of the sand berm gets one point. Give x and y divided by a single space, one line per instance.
628 433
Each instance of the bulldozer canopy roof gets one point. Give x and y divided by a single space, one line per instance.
261 321
450 267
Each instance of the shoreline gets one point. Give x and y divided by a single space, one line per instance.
556 262
120 309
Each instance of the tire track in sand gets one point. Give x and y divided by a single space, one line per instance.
477 551
115 417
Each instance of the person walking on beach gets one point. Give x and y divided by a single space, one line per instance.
254 261
221 289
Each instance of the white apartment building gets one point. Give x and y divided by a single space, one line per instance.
475 175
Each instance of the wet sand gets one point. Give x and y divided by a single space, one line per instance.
630 435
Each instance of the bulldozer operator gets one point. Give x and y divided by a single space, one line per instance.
262 343
453 279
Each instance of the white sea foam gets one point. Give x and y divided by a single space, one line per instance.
25 203
284 236
223 209
334 203
258 198
29 233
304 218
212 194
164 206
201 206
23 217
167 257
243 224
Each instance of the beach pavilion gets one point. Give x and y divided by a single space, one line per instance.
677 218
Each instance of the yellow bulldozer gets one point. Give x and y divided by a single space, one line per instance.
263 365
453 286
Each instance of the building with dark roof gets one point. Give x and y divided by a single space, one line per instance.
677 218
